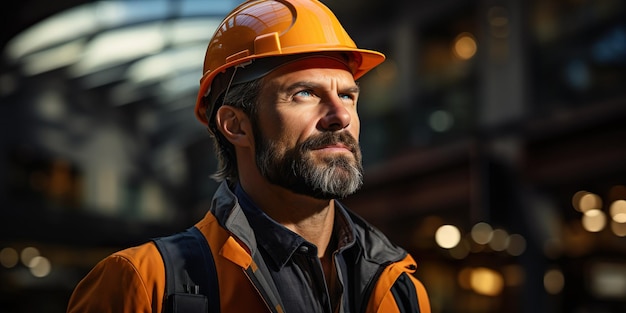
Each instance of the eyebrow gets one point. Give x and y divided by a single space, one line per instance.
312 85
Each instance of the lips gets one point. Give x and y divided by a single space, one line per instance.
336 146
342 140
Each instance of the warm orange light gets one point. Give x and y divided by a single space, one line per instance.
486 281
465 46
465 277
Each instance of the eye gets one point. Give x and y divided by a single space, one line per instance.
303 93
346 96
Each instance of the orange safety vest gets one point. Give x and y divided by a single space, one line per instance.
133 280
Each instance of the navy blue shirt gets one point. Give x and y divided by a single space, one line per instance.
293 262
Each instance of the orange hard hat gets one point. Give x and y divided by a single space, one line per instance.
270 28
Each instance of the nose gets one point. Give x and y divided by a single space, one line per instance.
337 116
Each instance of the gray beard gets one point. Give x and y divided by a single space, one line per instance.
335 178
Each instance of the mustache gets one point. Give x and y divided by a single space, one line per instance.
330 138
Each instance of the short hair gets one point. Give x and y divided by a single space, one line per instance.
243 96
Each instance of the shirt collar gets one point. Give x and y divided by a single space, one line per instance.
279 242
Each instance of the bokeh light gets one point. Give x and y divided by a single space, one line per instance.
576 199
482 233
465 46
594 220
40 266
589 201
500 240
9 257
28 254
441 121
486 281
618 211
448 236
553 281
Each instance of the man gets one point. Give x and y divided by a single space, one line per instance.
279 96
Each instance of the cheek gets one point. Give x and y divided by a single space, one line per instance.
282 130
296 126
355 126
270 123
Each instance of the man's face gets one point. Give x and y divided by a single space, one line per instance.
307 129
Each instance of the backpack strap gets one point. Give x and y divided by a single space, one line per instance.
190 276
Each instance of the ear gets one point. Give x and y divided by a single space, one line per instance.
234 124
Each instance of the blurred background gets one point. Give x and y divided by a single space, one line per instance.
494 142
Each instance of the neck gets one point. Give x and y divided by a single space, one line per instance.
316 228
311 218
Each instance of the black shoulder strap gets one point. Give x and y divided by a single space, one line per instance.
190 276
